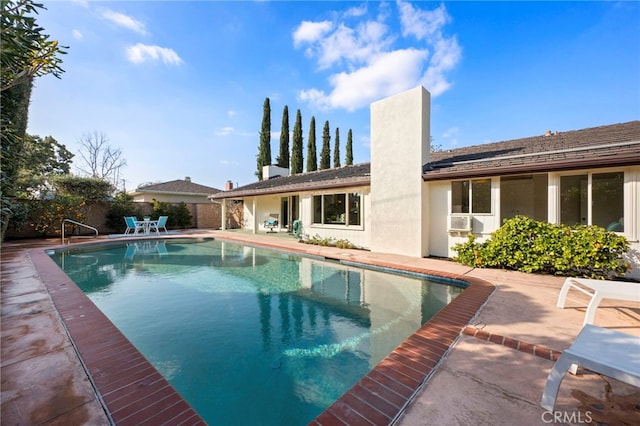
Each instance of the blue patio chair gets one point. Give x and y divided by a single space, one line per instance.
161 223
132 225
131 251
297 228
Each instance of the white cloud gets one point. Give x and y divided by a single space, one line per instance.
451 132
77 34
446 56
422 24
310 31
356 11
368 62
225 131
142 52
231 113
451 136
125 21
386 74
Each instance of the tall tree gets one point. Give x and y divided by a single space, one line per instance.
264 151
296 149
336 149
283 156
325 154
100 160
41 160
312 157
349 149
26 53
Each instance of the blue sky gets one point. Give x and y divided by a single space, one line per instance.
179 86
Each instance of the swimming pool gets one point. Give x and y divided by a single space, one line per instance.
297 331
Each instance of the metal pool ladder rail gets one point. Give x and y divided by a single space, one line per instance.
79 224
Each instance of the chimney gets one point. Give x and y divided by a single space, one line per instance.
228 186
548 133
187 179
272 171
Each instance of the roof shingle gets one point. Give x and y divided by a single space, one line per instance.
603 146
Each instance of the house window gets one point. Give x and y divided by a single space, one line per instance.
354 208
607 200
525 195
333 209
471 196
317 209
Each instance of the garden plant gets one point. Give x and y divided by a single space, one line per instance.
527 245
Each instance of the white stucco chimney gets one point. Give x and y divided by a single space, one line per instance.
272 170
400 146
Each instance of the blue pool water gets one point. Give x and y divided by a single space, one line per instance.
248 335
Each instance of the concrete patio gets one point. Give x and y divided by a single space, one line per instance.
494 374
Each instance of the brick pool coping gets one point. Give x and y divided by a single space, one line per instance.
133 392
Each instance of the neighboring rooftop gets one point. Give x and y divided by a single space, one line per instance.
178 186
604 146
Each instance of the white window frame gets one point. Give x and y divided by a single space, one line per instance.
336 225
555 198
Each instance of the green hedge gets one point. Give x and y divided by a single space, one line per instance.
527 245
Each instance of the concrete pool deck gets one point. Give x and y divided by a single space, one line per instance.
494 372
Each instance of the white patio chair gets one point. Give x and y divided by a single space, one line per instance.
598 290
607 352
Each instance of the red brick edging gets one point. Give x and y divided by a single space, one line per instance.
132 391
537 350
381 396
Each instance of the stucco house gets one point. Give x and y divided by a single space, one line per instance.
414 202
175 191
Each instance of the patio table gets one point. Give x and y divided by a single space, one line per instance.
146 225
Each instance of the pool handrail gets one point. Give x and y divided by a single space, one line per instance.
76 223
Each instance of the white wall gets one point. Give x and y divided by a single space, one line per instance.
258 209
438 213
399 149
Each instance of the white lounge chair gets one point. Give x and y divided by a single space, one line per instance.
598 290
600 350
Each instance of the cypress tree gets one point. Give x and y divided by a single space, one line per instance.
296 149
336 149
325 154
349 155
312 159
264 151
283 156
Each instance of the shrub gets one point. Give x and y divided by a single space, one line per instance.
179 215
527 245
121 206
46 216
327 242
91 189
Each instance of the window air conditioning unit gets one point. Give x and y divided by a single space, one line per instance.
460 223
